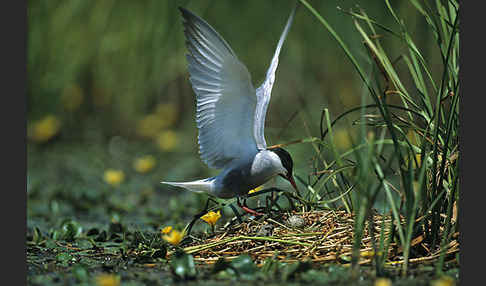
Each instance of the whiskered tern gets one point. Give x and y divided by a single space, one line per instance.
231 115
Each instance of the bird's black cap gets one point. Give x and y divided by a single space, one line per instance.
285 158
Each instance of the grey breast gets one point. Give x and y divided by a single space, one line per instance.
236 182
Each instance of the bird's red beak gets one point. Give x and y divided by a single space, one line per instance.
290 178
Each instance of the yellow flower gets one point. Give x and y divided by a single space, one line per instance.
149 126
257 189
105 279
166 230
144 164
45 129
347 95
114 177
174 237
167 114
367 253
413 137
72 97
167 140
416 187
342 139
444 281
418 160
383 282
211 217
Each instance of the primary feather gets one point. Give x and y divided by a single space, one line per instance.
224 93
263 92
230 112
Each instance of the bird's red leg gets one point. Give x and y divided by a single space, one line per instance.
246 208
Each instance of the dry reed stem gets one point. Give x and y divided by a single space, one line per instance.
326 236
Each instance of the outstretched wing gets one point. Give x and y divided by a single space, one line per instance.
225 96
263 92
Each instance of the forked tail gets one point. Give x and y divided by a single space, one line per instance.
198 186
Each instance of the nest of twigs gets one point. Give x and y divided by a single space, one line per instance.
317 236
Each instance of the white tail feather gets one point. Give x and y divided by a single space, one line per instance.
199 186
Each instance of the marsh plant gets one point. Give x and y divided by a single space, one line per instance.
109 116
403 157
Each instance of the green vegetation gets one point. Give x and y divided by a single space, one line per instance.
423 129
366 97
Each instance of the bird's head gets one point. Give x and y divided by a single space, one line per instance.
287 164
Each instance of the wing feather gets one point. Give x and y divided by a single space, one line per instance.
225 96
264 92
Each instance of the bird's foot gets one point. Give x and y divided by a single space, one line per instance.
251 211
247 209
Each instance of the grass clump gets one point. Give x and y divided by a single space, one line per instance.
405 155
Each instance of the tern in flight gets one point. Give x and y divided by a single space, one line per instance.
231 115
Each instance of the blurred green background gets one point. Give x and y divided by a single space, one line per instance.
111 110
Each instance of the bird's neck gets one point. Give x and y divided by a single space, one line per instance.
266 165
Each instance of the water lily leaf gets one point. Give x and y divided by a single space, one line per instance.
332 275
316 276
270 267
291 270
70 230
344 258
183 266
37 236
80 273
244 267
56 234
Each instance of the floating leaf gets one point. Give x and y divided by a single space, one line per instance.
183 266
55 234
271 267
37 236
80 273
291 270
345 258
70 230
244 267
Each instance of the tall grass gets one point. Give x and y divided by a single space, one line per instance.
407 147
124 57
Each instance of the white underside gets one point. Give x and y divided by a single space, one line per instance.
264 166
